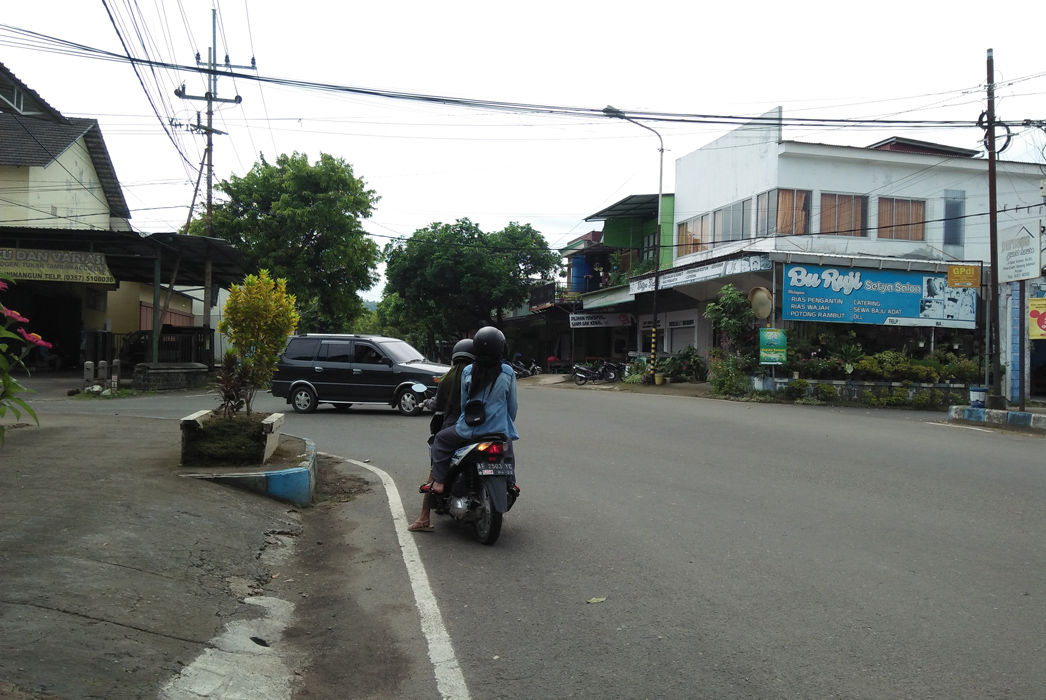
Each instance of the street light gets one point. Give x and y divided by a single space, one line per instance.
616 113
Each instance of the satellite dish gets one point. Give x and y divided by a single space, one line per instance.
762 302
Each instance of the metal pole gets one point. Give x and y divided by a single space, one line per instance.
618 114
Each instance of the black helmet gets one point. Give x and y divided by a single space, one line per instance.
463 350
489 342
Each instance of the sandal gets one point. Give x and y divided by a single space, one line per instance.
429 488
421 526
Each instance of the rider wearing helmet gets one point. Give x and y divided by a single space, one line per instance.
487 379
447 407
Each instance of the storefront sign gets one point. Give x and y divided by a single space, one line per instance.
1018 255
878 297
599 320
1037 318
964 276
54 266
704 273
773 346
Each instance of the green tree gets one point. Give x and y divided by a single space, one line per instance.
731 316
303 223
258 317
449 279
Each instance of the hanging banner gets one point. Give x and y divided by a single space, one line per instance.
54 266
1037 318
879 297
773 346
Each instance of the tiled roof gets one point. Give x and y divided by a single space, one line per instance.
33 142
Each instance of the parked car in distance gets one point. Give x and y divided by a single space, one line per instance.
343 369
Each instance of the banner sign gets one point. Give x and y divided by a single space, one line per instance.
702 273
1018 255
54 266
773 346
878 297
1037 318
599 320
964 276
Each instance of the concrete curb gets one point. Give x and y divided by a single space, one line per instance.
1023 421
294 484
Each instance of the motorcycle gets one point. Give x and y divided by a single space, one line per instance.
607 371
520 369
477 489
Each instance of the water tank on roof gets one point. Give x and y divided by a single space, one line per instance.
580 267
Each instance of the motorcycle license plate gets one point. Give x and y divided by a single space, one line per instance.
494 469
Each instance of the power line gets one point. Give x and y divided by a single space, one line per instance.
510 107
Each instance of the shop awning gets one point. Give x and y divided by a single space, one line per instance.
607 297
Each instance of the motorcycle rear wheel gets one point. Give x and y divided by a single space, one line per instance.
488 527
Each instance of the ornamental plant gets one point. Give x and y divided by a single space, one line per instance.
15 344
258 317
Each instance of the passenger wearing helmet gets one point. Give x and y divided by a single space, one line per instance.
447 407
491 380
448 395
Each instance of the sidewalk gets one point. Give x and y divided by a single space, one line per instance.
1033 419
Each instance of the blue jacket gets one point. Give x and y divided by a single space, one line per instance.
500 405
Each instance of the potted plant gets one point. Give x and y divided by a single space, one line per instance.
258 317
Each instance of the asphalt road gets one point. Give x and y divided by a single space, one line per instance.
743 550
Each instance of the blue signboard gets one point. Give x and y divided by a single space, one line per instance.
879 297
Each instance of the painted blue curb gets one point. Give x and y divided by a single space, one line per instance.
295 485
298 484
1015 420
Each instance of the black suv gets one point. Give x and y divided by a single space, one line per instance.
347 369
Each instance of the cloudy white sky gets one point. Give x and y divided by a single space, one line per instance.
430 162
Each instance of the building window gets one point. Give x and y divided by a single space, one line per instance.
649 249
844 214
731 223
784 212
902 219
954 217
694 234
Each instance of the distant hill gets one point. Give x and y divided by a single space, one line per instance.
370 305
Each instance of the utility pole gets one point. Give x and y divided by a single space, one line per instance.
995 397
210 97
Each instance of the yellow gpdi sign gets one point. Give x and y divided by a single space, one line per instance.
54 266
964 276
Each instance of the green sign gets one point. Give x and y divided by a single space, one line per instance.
773 346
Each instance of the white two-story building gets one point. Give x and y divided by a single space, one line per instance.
755 210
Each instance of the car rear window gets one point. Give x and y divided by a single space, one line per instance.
301 348
336 352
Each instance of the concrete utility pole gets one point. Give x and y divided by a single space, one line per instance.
210 98
995 397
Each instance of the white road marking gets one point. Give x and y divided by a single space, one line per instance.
449 679
959 425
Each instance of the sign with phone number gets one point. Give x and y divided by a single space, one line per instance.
54 266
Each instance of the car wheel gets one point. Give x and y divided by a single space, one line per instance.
303 399
409 403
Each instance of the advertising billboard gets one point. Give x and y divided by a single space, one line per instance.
878 297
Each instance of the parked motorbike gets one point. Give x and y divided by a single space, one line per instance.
520 369
477 489
607 371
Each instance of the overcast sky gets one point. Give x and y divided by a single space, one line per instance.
431 162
